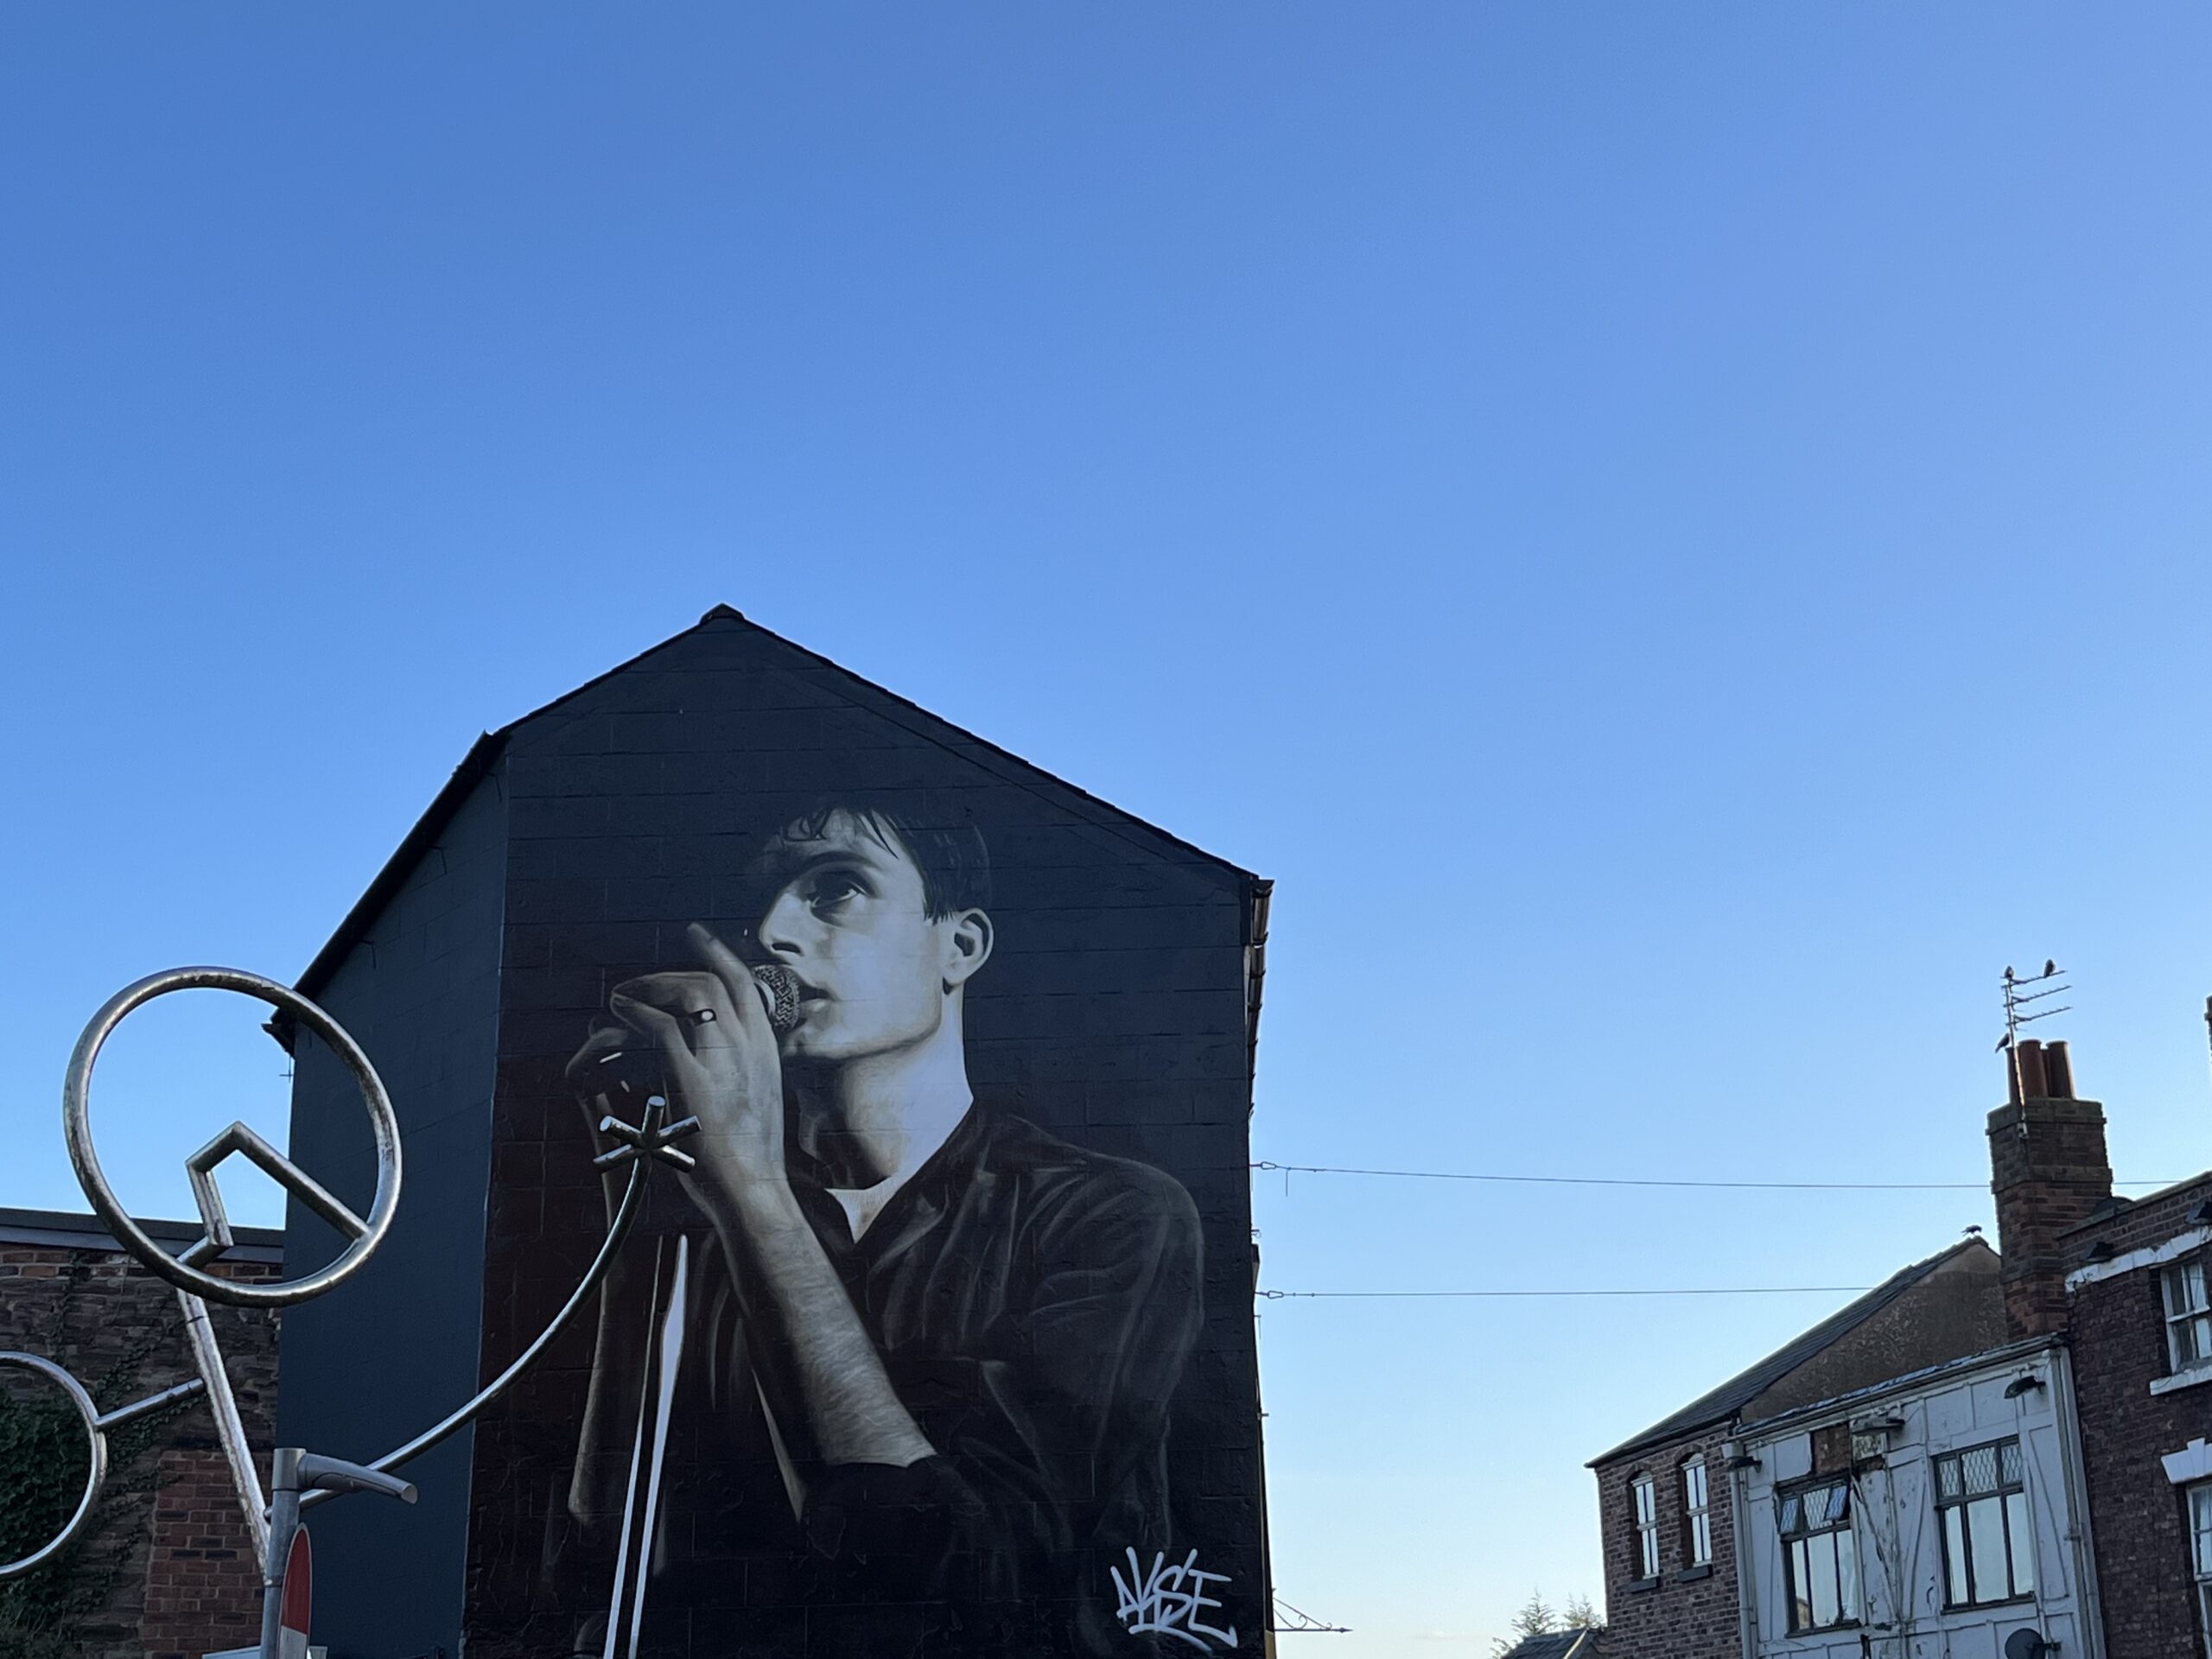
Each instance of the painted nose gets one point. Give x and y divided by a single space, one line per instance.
779 929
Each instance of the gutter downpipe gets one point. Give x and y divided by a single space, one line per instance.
1747 1614
2077 1501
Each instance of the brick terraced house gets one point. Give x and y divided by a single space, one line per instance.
1909 1476
169 1567
1667 1498
2141 1325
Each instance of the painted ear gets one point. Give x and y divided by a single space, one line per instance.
967 947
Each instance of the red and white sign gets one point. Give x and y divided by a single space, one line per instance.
299 1596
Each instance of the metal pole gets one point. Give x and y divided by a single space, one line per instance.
207 1354
283 1521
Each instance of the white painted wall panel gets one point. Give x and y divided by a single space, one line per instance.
1896 1531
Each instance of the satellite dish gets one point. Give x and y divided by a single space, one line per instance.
2024 1643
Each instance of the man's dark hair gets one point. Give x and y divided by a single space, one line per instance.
953 859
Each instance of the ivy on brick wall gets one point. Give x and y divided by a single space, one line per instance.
44 1615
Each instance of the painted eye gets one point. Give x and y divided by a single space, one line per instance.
832 888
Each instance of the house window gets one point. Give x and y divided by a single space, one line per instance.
1646 1494
1697 1514
2188 1316
2199 1543
1981 1502
1820 1555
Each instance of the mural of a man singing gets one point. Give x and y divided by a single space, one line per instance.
908 1380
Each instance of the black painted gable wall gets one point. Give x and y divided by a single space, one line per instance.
370 1365
1113 1012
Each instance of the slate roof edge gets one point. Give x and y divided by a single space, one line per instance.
62 1229
1576 1642
1757 1427
731 613
484 753
1722 1404
2129 1206
721 612
474 767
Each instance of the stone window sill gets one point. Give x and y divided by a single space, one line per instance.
2195 1377
1636 1585
1691 1574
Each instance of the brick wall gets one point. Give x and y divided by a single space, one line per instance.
2049 1170
187 1584
1687 1612
2136 1514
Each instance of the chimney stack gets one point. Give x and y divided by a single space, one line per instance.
2049 1169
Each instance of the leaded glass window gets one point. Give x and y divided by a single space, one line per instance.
1981 1507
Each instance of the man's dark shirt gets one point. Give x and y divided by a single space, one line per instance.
1033 1305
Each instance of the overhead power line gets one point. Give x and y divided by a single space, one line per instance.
1630 1180
1702 1290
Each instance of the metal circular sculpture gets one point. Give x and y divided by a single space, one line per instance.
95 1473
363 1233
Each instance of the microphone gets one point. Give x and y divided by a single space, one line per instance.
637 1071
779 988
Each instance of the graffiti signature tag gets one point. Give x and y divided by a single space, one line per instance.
1167 1599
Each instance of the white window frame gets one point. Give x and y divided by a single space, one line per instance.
2183 1293
1963 1518
1697 1510
1644 1503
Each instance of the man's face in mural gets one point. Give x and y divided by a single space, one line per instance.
848 914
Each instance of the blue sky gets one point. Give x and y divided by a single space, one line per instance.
1677 534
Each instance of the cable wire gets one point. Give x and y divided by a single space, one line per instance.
1625 1180
1715 1290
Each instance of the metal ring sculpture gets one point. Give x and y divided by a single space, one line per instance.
95 1476
97 1424
650 1141
364 1234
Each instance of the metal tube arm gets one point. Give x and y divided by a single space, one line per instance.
617 1230
335 1475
